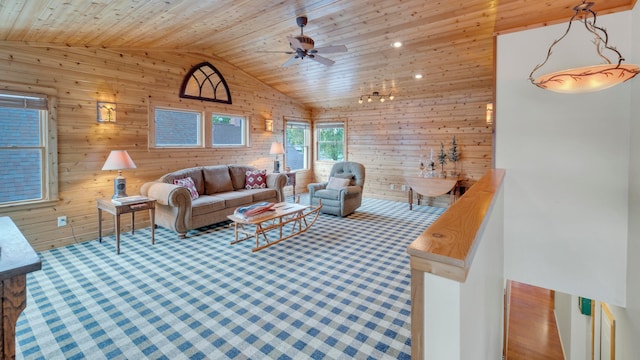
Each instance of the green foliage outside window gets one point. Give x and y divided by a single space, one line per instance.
331 143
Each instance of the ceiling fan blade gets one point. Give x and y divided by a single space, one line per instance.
294 43
275 52
321 59
330 49
290 61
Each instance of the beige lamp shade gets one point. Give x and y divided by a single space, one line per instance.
118 160
276 148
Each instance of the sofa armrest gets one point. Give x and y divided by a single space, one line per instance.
174 210
277 181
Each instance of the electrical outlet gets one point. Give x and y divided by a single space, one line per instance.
392 187
404 187
62 221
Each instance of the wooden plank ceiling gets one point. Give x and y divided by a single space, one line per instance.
449 42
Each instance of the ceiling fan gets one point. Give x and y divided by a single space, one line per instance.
303 47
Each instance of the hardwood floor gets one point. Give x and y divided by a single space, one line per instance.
533 334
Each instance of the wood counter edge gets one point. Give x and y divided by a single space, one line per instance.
447 247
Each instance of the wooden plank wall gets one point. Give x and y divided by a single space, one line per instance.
133 81
389 138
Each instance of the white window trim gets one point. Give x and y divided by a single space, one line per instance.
205 128
152 128
308 141
316 142
50 141
245 131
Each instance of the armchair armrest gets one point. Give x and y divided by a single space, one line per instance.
352 189
313 187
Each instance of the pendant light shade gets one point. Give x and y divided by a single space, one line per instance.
588 78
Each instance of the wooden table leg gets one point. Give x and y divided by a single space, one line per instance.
14 300
133 222
410 198
152 216
118 234
100 224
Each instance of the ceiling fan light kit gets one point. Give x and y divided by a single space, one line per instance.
588 78
304 47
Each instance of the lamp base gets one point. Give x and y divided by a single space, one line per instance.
276 166
119 187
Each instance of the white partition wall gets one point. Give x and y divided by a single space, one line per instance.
567 162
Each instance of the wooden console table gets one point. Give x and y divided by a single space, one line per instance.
431 187
17 258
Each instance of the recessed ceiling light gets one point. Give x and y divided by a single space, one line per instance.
418 76
396 44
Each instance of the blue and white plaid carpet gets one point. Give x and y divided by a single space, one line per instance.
339 291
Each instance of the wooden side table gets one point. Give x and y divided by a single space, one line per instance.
291 180
432 187
117 210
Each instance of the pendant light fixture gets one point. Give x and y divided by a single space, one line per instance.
588 78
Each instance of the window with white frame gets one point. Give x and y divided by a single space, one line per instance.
297 145
330 141
179 128
28 149
228 130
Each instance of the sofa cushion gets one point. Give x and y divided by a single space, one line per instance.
235 198
238 175
207 204
188 183
194 173
255 179
216 179
262 194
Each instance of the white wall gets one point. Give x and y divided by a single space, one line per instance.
628 320
567 162
465 320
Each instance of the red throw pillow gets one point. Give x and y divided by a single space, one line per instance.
255 179
190 185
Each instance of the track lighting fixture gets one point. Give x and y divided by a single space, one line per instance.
375 95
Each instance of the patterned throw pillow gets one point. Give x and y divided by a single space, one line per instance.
189 184
256 179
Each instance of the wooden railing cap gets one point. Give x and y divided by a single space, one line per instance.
447 247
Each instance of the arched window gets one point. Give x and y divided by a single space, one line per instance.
204 82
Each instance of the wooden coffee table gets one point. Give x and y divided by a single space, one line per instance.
285 221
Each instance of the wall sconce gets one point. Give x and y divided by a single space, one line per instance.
268 125
106 112
374 95
587 78
489 113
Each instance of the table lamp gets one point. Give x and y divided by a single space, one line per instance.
118 160
276 149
